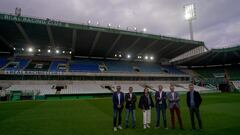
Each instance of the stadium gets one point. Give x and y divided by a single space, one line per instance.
58 77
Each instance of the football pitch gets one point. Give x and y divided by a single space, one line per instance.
220 114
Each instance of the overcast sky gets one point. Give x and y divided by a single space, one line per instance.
217 24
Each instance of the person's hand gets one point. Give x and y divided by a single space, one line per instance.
119 106
129 99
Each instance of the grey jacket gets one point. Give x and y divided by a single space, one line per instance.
175 100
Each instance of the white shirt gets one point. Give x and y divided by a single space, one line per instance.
173 95
119 98
130 94
160 94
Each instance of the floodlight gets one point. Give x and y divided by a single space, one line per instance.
22 49
49 51
151 58
109 25
57 51
128 56
120 55
39 50
146 57
14 48
190 15
119 26
115 55
189 12
135 28
144 29
30 49
89 21
70 52
98 23
63 52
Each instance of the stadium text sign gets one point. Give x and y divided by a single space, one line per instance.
32 72
31 20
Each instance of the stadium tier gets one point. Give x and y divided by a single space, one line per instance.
87 65
94 88
58 66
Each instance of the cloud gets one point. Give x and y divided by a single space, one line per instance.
216 24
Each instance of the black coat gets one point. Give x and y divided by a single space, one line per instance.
163 99
197 99
130 104
143 102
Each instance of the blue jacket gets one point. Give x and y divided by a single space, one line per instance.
115 100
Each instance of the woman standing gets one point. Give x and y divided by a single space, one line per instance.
146 103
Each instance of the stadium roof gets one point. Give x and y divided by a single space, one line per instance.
222 56
86 40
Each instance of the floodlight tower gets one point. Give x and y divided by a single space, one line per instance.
190 15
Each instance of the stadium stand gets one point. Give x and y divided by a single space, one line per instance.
172 70
58 66
234 72
38 66
17 64
149 67
3 62
118 66
36 89
84 89
236 84
85 65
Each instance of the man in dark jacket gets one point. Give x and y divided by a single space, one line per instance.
161 106
194 100
130 99
146 103
118 103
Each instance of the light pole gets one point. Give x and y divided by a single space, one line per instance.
190 15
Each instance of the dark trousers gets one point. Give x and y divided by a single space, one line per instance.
193 110
132 111
177 110
159 109
117 113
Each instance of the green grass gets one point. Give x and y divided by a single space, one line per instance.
220 113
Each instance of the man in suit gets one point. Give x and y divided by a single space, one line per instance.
161 106
130 99
194 100
146 103
174 105
118 103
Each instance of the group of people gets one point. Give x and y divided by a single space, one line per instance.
146 104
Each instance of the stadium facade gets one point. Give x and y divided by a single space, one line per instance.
45 58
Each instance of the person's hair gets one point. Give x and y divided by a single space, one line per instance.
145 89
190 84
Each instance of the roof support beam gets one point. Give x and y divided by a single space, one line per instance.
94 43
132 45
236 53
211 58
174 51
50 35
74 41
148 47
22 31
113 45
6 42
224 58
163 48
